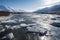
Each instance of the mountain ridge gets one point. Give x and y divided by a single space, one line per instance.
9 9
54 8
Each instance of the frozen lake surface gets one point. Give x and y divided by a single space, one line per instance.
41 21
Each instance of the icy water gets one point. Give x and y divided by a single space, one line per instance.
40 22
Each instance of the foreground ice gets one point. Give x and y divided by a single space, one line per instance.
44 21
41 21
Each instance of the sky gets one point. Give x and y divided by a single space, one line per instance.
28 5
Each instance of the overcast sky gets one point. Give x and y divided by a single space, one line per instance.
28 5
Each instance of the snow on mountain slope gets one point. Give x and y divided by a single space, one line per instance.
53 8
4 8
10 9
17 10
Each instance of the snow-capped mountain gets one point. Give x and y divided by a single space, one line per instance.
53 8
18 10
9 9
4 8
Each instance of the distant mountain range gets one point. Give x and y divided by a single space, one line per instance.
54 8
9 9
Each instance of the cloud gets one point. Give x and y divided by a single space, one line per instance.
50 2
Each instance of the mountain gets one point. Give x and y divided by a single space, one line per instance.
9 9
42 10
5 8
18 10
54 8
